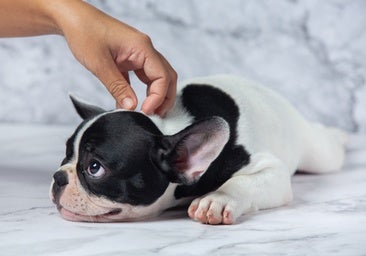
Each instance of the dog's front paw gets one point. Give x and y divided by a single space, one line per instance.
214 208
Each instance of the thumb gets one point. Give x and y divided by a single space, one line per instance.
122 92
118 86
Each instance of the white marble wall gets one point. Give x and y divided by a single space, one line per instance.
312 52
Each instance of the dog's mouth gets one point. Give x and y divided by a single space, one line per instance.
72 216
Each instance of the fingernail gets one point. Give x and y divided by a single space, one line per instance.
148 113
127 103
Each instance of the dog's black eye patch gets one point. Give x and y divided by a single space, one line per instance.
92 166
121 142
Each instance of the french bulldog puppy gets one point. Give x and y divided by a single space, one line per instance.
228 147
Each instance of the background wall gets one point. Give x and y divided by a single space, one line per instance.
312 52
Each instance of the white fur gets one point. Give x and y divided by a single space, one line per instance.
76 204
275 135
279 141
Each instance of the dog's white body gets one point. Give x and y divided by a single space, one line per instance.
279 140
276 137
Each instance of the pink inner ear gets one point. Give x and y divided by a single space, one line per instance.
187 151
203 152
201 160
181 162
197 173
194 142
197 146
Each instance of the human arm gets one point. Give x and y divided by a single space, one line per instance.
104 45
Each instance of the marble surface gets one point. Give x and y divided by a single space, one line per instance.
327 216
313 52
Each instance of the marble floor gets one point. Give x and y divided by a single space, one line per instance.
327 216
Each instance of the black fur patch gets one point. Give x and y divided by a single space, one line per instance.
130 171
203 101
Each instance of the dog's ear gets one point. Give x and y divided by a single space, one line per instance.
185 156
85 110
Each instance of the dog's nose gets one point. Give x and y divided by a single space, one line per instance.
60 178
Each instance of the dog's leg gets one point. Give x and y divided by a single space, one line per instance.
264 183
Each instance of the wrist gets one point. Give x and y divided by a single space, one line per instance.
60 13
27 18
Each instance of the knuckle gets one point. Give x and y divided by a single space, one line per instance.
145 39
118 88
176 75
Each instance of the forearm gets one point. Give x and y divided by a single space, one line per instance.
20 18
106 46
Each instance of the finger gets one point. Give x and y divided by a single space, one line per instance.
161 91
117 84
169 99
127 78
172 89
156 95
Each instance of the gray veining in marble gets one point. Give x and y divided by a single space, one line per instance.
327 216
313 52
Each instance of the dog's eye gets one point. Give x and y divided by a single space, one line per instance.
95 169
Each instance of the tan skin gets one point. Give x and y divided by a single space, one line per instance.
105 46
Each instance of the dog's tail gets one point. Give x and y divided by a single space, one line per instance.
325 149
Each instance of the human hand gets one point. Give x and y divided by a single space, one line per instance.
110 48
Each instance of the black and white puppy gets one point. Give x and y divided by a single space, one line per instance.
229 145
